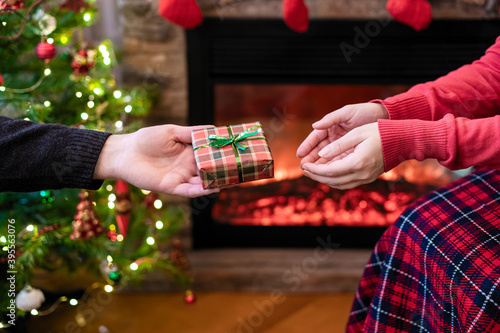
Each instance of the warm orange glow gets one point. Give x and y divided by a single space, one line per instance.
428 172
289 199
301 201
292 200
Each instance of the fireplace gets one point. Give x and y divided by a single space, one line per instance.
259 70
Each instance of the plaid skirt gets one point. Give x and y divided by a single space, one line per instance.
437 269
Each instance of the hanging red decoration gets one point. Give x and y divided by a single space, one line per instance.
415 13
86 223
11 4
296 15
187 13
123 206
45 51
83 61
1 80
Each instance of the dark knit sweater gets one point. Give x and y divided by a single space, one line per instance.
47 156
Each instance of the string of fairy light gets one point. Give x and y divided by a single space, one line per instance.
46 198
108 58
71 301
158 204
34 231
91 93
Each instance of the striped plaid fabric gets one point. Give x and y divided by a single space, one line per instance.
437 269
219 166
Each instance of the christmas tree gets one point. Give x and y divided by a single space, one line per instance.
50 74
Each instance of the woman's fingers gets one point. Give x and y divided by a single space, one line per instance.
312 140
343 144
334 118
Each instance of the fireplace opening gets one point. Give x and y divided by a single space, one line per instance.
257 70
289 199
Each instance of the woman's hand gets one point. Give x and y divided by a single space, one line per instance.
351 160
337 124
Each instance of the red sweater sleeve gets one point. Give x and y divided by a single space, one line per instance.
472 91
456 143
433 117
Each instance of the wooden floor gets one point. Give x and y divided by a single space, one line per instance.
212 313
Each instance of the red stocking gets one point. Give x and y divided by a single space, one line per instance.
415 13
296 15
185 13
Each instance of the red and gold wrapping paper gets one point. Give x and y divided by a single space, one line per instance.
229 165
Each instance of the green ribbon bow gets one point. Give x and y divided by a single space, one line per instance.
235 141
220 141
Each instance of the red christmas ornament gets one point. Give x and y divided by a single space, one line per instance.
415 13
45 51
122 206
296 15
112 235
11 4
190 298
86 223
1 80
83 61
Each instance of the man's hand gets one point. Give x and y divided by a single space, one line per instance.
158 158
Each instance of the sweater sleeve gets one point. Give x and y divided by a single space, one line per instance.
452 119
456 143
47 156
472 91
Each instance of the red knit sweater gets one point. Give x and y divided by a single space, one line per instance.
455 119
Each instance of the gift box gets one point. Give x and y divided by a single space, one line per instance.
234 154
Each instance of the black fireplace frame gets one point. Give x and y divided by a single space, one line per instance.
260 51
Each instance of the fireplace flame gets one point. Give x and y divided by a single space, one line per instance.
293 200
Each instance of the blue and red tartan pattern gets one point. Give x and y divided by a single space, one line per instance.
221 167
437 269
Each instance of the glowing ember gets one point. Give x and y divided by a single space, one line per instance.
292 200
301 201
